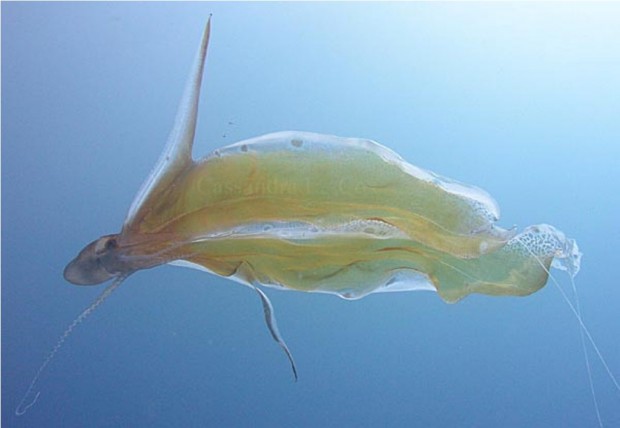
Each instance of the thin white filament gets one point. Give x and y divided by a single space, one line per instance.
26 402
585 355
584 330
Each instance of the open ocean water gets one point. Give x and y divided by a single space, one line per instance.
520 99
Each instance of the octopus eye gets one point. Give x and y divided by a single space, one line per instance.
111 243
105 244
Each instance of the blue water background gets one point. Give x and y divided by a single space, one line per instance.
522 100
